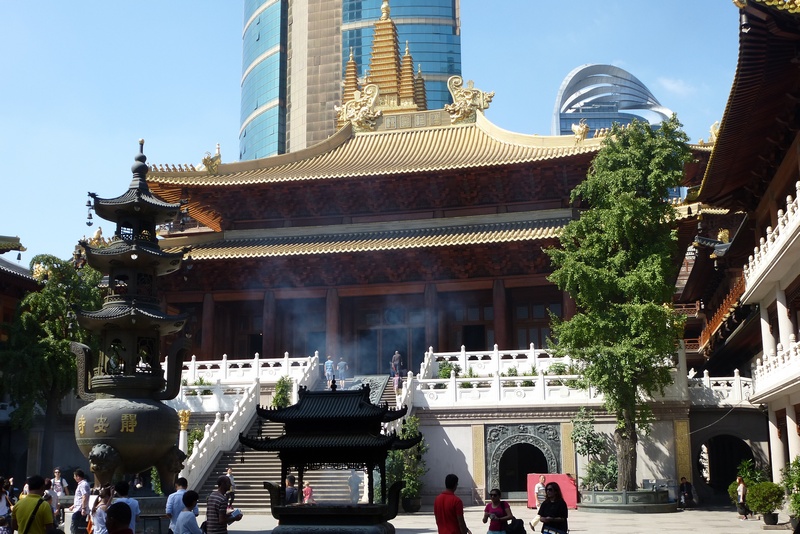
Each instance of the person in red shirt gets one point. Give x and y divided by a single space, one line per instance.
449 510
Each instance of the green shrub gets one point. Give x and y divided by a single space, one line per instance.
601 475
470 374
406 465
751 474
444 372
559 368
791 484
282 397
155 481
195 434
765 497
202 382
446 367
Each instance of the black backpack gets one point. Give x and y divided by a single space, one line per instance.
515 526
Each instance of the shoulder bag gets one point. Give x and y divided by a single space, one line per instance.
33 516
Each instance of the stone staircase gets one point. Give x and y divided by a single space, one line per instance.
330 485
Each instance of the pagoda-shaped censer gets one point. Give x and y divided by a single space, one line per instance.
338 429
126 429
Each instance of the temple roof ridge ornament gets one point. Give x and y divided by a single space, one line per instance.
713 133
466 100
580 130
361 112
211 163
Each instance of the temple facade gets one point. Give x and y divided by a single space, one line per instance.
745 276
410 228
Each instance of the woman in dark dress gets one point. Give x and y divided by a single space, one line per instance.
553 511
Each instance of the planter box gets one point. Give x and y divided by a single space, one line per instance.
648 502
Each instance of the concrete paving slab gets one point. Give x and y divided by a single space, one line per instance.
713 521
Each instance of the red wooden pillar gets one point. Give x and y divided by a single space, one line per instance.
331 324
207 343
431 316
500 314
268 326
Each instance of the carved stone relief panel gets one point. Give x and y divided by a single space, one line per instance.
500 438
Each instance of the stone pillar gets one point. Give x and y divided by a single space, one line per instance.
183 437
331 324
500 314
792 432
431 298
784 321
479 460
775 446
268 326
207 344
683 449
568 463
767 337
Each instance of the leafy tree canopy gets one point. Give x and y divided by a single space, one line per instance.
38 355
616 262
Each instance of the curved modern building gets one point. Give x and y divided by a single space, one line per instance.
295 52
603 95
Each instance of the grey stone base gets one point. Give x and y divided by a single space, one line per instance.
381 528
635 502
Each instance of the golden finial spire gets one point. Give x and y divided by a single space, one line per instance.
385 10
407 52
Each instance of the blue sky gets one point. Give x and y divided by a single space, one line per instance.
83 81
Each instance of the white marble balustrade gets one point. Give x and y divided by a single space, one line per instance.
775 243
239 372
222 435
774 371
720 391
483 363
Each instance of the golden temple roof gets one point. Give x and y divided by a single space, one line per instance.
409 143
8 243
792 6
545 224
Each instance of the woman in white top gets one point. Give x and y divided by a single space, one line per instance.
99 511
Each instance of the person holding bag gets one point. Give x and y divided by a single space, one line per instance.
497 512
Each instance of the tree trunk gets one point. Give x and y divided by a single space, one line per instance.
625 440
46 460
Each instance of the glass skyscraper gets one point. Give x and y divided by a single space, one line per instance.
603 95
295 51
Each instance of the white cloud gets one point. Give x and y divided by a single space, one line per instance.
676 87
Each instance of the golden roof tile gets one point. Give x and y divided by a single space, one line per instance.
264 243
394 149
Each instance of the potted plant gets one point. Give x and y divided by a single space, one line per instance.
413 467
791 484
765 498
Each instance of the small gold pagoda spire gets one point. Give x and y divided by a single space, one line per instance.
384 64
420 96
407 80
350 77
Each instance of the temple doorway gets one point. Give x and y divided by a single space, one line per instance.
719 458
515 464
516 449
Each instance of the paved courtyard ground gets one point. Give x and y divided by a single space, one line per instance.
716 521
